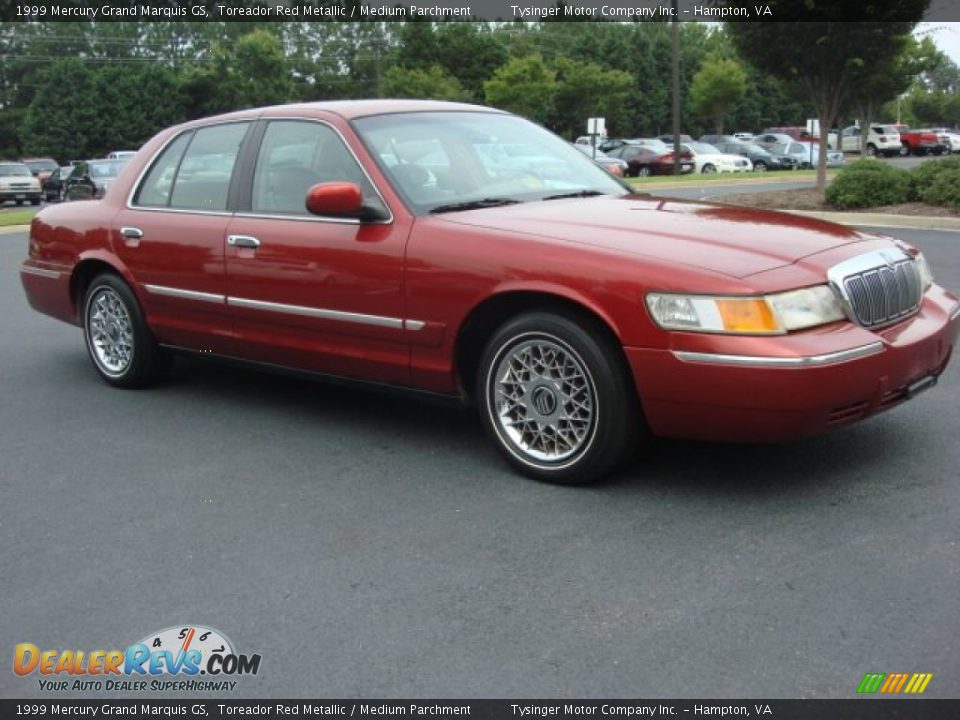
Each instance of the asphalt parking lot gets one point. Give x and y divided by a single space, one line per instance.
372 546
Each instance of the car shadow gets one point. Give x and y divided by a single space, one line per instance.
661 465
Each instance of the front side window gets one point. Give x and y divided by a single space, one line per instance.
294 156
441 160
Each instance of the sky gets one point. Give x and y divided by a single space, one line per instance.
946 35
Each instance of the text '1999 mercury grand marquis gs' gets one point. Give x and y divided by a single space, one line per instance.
461 250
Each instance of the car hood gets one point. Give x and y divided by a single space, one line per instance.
733 240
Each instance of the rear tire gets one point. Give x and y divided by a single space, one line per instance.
904 150
557 399
643 171
708 169
760 166
120 345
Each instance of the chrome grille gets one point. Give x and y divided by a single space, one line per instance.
880 287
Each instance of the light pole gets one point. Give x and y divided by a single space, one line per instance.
676 86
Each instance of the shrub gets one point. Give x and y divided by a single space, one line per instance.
870 183
938 182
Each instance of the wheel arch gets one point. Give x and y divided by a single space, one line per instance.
485 317
88 266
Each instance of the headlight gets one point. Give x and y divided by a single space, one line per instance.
765 315
926 275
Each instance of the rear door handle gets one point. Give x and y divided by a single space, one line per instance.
131 232
243 241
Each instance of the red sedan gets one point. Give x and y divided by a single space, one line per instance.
394 242
653 159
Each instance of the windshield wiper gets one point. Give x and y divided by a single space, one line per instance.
475 204
577 194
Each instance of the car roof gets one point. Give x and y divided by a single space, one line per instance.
351 109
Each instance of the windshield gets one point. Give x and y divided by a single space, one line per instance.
106 169
451 159
15 170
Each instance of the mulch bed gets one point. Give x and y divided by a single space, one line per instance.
812 199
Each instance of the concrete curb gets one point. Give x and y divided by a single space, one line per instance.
913 222
780 178
8 229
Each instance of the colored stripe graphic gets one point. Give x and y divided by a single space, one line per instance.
895 683
918 683
871 682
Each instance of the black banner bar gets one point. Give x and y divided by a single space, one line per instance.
466 10
853 709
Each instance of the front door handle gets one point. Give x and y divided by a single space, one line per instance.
131 232
243 241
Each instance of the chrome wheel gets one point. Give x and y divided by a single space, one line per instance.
542 400
109 332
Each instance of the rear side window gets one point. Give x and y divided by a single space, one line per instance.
203 178
156 186
193 172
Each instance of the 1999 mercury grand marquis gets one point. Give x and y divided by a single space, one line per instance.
461 250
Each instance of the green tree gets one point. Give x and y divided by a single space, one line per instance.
876 83
823 55
525 86
583 90
434 83
717 88
47 129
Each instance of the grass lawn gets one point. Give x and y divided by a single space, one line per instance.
17 217
727 178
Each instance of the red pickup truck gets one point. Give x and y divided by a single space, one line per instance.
919 142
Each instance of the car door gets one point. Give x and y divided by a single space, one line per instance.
851 139
170 234
320 293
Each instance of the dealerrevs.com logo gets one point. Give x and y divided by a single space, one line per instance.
184 652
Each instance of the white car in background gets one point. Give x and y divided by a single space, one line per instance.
881 140
949 138
744 136
18 184
708 159
807 154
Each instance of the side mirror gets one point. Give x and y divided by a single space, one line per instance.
341 199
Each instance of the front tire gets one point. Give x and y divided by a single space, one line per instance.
556 398
122 348
871 150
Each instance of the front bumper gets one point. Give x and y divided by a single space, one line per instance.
35 194
769 389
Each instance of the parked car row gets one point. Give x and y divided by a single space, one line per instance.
710 154
34 180
88 179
